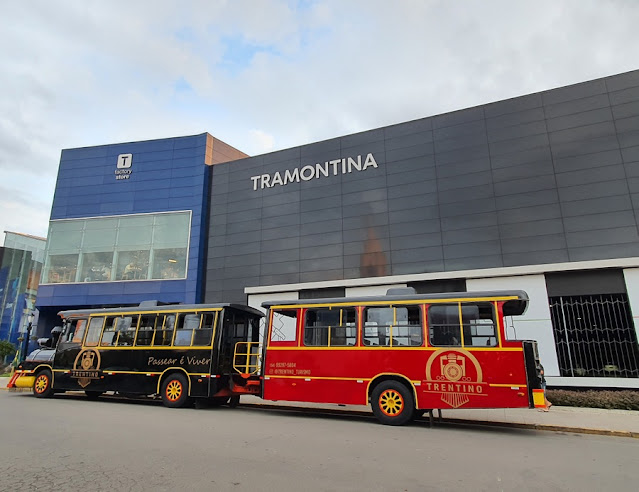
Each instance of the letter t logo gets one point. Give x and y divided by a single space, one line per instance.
124 161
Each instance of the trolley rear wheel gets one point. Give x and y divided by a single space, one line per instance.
392 403
175 391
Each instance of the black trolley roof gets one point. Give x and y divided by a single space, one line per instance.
151 308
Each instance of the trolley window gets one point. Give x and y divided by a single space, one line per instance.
324 327
74 331
164 331
147 329
284 326
480 329
443 325
93 333
399 326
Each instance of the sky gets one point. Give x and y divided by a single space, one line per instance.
265 75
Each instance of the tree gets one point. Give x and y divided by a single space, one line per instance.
6 348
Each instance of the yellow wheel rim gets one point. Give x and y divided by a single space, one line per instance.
391 402
174 390
41 383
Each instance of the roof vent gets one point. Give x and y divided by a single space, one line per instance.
148 304
401 291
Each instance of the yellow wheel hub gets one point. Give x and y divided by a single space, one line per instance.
174 390
391 402
41 384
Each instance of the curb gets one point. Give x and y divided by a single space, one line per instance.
485 423
444 420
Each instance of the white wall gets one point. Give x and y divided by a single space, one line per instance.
631 276
535 324
256 300
371 290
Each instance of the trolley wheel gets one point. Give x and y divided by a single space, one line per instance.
42 385
93 395
234 401
175 391
392 403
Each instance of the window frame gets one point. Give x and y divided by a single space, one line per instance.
464 325
344 312
388 328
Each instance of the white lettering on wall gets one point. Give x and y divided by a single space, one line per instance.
319 170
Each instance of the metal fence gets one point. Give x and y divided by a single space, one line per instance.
595 336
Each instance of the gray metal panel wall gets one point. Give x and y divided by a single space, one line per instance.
543 178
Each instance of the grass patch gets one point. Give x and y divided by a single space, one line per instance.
613 400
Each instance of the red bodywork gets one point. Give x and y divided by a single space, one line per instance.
441 377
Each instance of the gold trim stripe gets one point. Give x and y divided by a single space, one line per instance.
396 302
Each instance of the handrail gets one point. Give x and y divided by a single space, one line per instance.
247 357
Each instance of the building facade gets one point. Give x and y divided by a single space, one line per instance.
21 260
538 192
128 223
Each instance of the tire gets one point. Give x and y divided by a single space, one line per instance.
175 391
392 403
93 395
42 384
234 401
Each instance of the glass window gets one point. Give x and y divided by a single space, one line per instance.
135 232
330 327
284 327
65 237
146 331
132 265
443 325
126 327
99 234
169 263
61 268
186 326
169 230
393 326
109 335
93 333
480 329
204 332
96 267
134 247
377 322
164 331
407 329
74 331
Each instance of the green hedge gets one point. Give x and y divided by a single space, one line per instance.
620 400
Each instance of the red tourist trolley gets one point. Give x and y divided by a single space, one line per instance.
403 353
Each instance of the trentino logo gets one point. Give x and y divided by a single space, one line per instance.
123 167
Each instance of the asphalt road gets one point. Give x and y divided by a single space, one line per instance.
70 443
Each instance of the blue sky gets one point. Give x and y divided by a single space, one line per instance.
264 75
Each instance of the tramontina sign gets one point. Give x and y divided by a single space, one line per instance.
320 170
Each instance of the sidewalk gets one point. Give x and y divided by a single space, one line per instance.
623 423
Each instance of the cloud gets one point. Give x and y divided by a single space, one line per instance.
265 75
263 140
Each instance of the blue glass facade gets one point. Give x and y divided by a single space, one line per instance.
164 176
